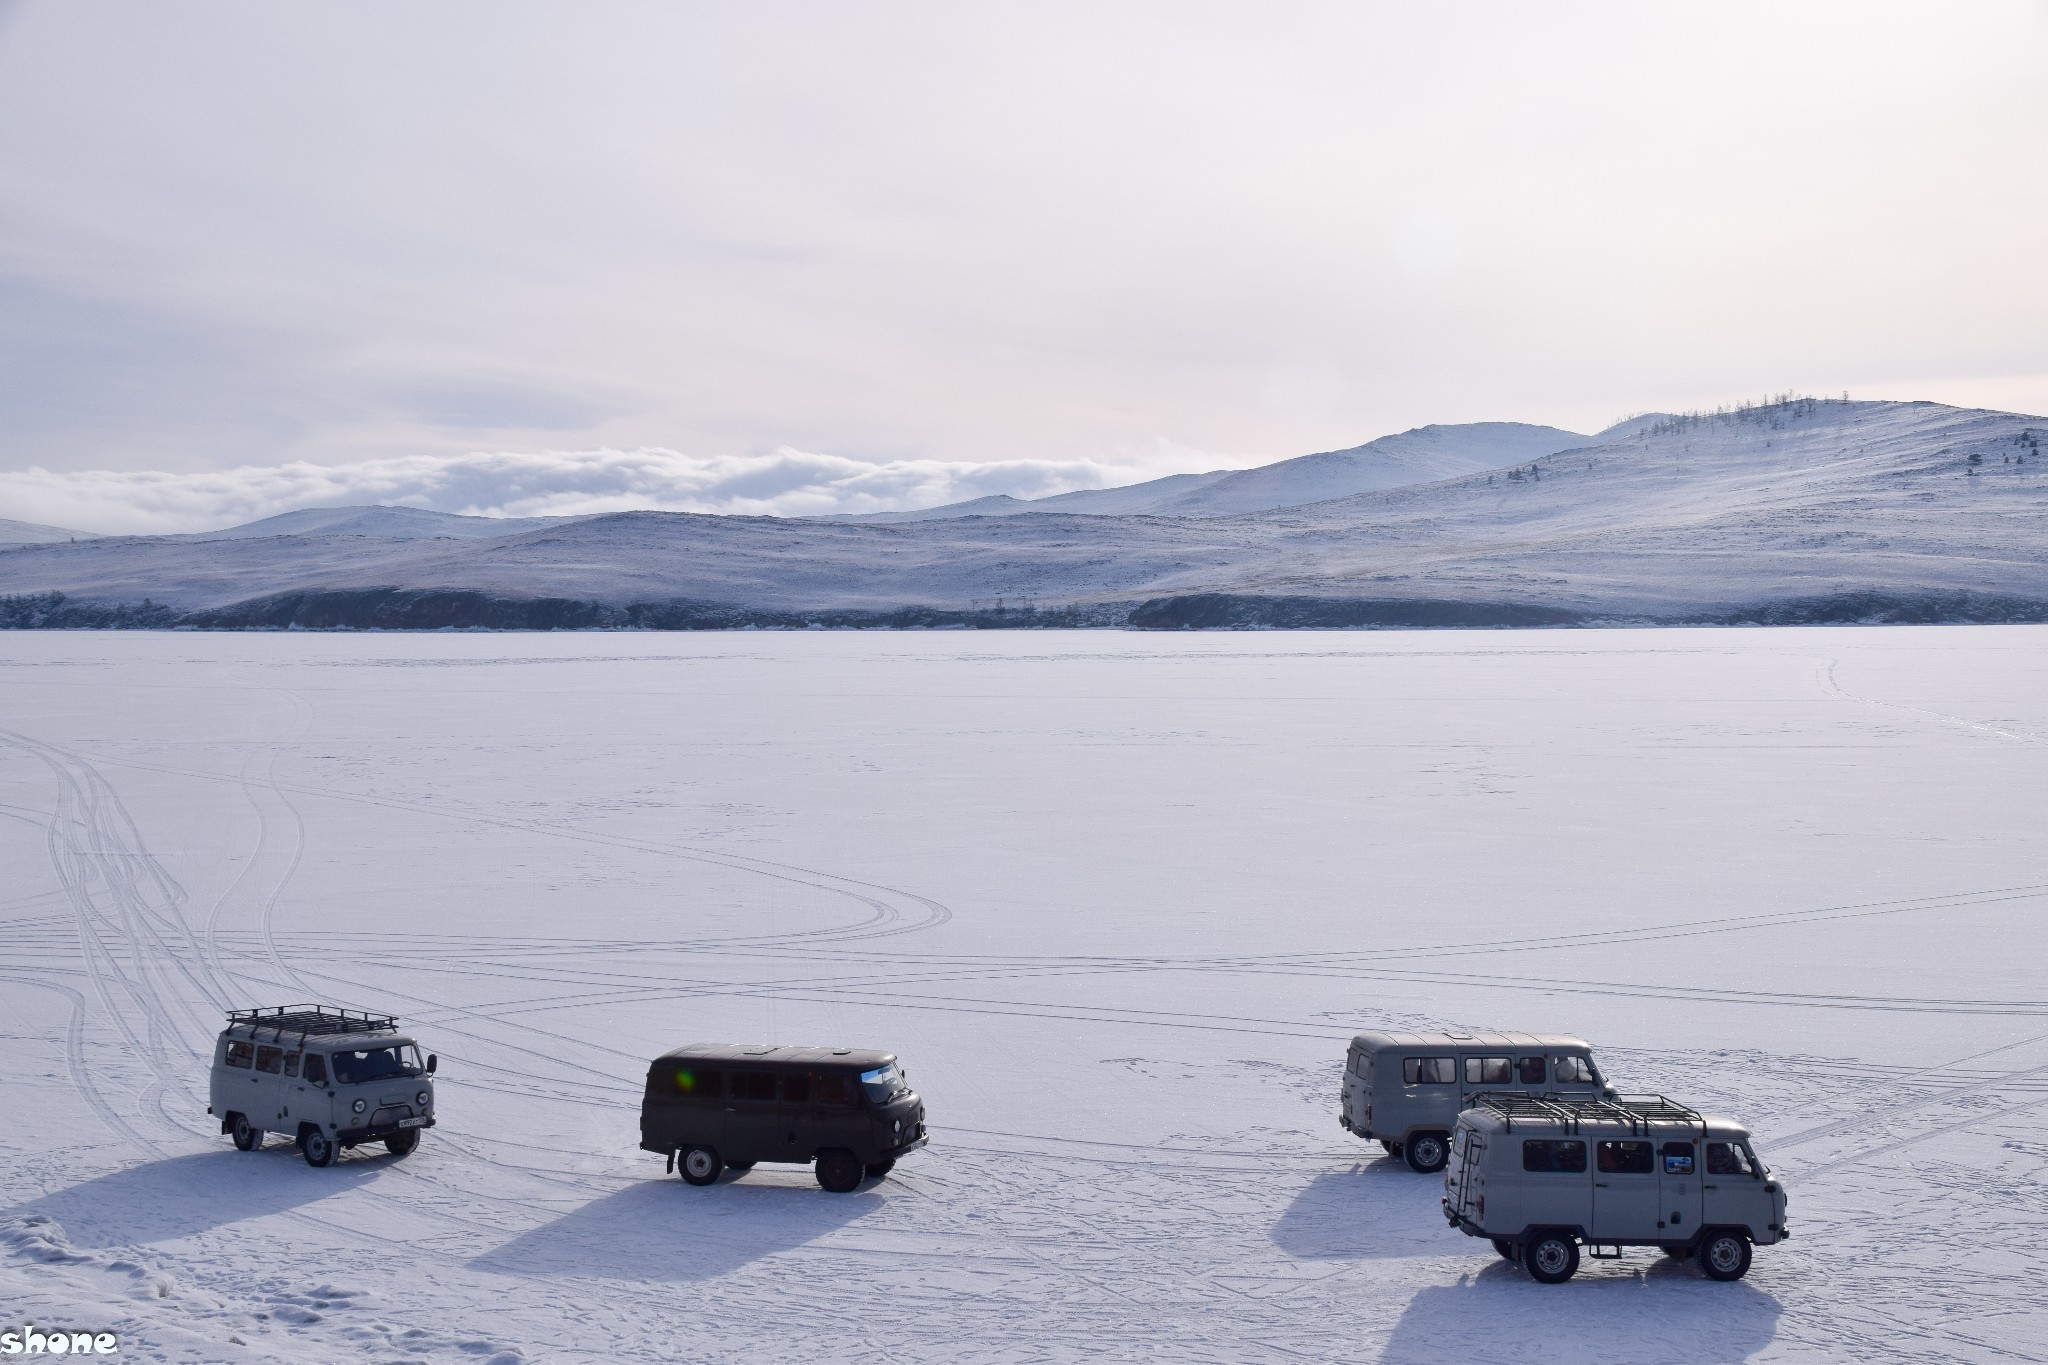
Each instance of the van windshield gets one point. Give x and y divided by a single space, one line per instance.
377 1064
884 1083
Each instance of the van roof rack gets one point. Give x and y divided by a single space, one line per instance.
1637 1111
310 1020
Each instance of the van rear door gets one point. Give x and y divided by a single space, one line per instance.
1466 1187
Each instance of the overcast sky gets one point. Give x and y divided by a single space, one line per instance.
806 257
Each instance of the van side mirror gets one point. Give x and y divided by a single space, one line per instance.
433 1063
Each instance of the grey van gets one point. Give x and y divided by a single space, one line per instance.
330 1078
1407 1089
848 1112
1540 1178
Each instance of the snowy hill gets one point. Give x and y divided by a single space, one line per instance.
1798 511
399 523
29 533
1424 455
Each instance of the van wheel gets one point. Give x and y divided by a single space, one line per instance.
1427 1153
1392 1149
1551 1258
398 1144
316 1147
1725 1255
1505 1248
247 1139
878 1169
839 1170
700 1165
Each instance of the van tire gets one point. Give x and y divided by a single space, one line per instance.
247 1138
1551 1257
839 1170
1505 1248
1724 1254
401 1144
316 1146
878 1169
700 1165
1427 1153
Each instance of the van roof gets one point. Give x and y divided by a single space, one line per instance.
307 1021
1624 1116
291 1037
765 1054
1378 1041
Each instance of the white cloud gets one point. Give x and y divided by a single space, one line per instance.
788 482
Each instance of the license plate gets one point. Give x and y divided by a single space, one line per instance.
412 1122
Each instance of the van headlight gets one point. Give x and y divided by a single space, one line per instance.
421 1098
357 1107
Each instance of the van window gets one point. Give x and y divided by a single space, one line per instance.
357 1065
698 1083
316 1069
1486 1071
1548 1154
753 1085
241 1054
831 1089
797 1088
1361 1065
1429 1070
1529 1071
1574 1071
270 1059
1626 1158
884 1083
1678 1158
1725 1158
291 1063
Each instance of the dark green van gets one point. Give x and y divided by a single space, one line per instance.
849 1112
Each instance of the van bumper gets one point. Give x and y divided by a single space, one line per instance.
352 1137
920 1140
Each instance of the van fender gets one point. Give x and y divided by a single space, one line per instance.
227 1123
1531 1230
672 1160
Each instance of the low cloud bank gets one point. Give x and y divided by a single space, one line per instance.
787 483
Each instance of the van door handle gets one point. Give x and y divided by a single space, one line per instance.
1710 1187
1599 1184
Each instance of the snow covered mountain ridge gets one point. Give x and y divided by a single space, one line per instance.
1798 510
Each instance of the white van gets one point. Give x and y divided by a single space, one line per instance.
1541 1177
1407 1089
332 1078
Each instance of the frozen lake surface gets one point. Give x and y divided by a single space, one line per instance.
1118 901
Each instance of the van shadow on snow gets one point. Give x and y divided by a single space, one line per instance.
1646 1308
1376 1209
667 1230
181 1196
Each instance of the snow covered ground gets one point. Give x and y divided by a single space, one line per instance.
1118 900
